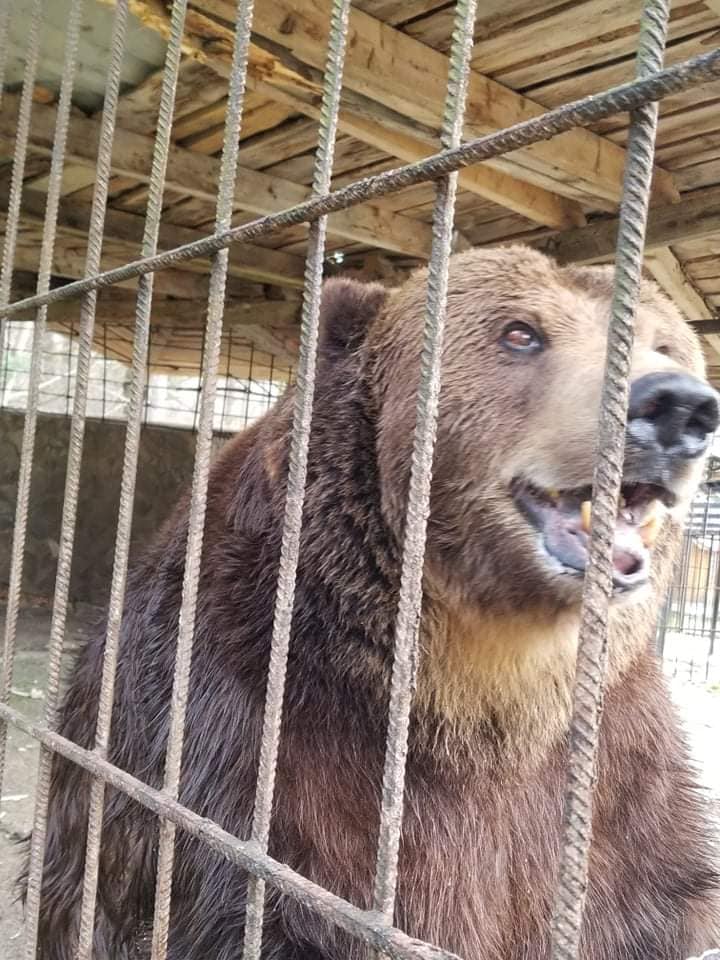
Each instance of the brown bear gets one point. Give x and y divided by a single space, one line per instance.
507 546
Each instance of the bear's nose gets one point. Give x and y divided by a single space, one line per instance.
672 413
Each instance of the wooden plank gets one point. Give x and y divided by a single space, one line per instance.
398 11
493 17
288 140
197 87
203 131
692 151
705 268
553 93
198 175
69 261
256 119
245 261
668 272
682 126
575 38
694 220
536 203
270 326
408 77
699 175
185 314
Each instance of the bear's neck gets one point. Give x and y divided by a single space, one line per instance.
507 676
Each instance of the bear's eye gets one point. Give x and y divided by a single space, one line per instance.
521 338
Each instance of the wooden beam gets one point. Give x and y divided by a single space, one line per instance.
697 217
387 66
531 201
198 175
668 272
69 261
246 261
270 325
182 314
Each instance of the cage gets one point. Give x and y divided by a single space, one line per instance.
161 164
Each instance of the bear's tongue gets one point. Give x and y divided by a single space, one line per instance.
566 533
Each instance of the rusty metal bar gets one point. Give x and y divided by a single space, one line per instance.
579 113
77 432
610 452
198 497
365 925
418 505
297 473
47 249
4 38
12 219
58 623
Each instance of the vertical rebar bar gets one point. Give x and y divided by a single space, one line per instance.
198 497
57 628
597 588
4 41
85 337
38 337
297 474
418 506
22 136
130 458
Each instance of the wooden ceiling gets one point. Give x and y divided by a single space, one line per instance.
529 55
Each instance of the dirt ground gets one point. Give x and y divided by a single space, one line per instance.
696 693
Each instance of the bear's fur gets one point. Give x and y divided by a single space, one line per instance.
488 741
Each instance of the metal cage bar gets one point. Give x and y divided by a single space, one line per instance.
372 926
610 453
198 496
418 502
43 285
57 629
578 113
22 137
297 473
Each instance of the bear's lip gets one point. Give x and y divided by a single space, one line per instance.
562 518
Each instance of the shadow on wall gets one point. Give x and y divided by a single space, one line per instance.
165 470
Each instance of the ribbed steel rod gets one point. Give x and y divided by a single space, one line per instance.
580 113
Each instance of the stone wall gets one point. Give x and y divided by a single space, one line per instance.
165 469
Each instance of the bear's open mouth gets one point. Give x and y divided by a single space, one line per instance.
563 517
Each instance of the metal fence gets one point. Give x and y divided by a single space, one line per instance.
171 397
374 926
688 636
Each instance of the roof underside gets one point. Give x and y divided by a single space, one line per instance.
529 55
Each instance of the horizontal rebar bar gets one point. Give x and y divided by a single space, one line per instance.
366 925
578 113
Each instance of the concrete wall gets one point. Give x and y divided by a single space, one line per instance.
165 469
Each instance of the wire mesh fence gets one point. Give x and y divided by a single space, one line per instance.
78 390
690 619
250 381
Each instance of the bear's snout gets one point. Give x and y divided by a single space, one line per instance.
672 415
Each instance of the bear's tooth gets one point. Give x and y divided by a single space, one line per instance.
651 524
585 515
649 529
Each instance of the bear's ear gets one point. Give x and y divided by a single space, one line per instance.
346 310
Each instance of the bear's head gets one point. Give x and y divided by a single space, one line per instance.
523 368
